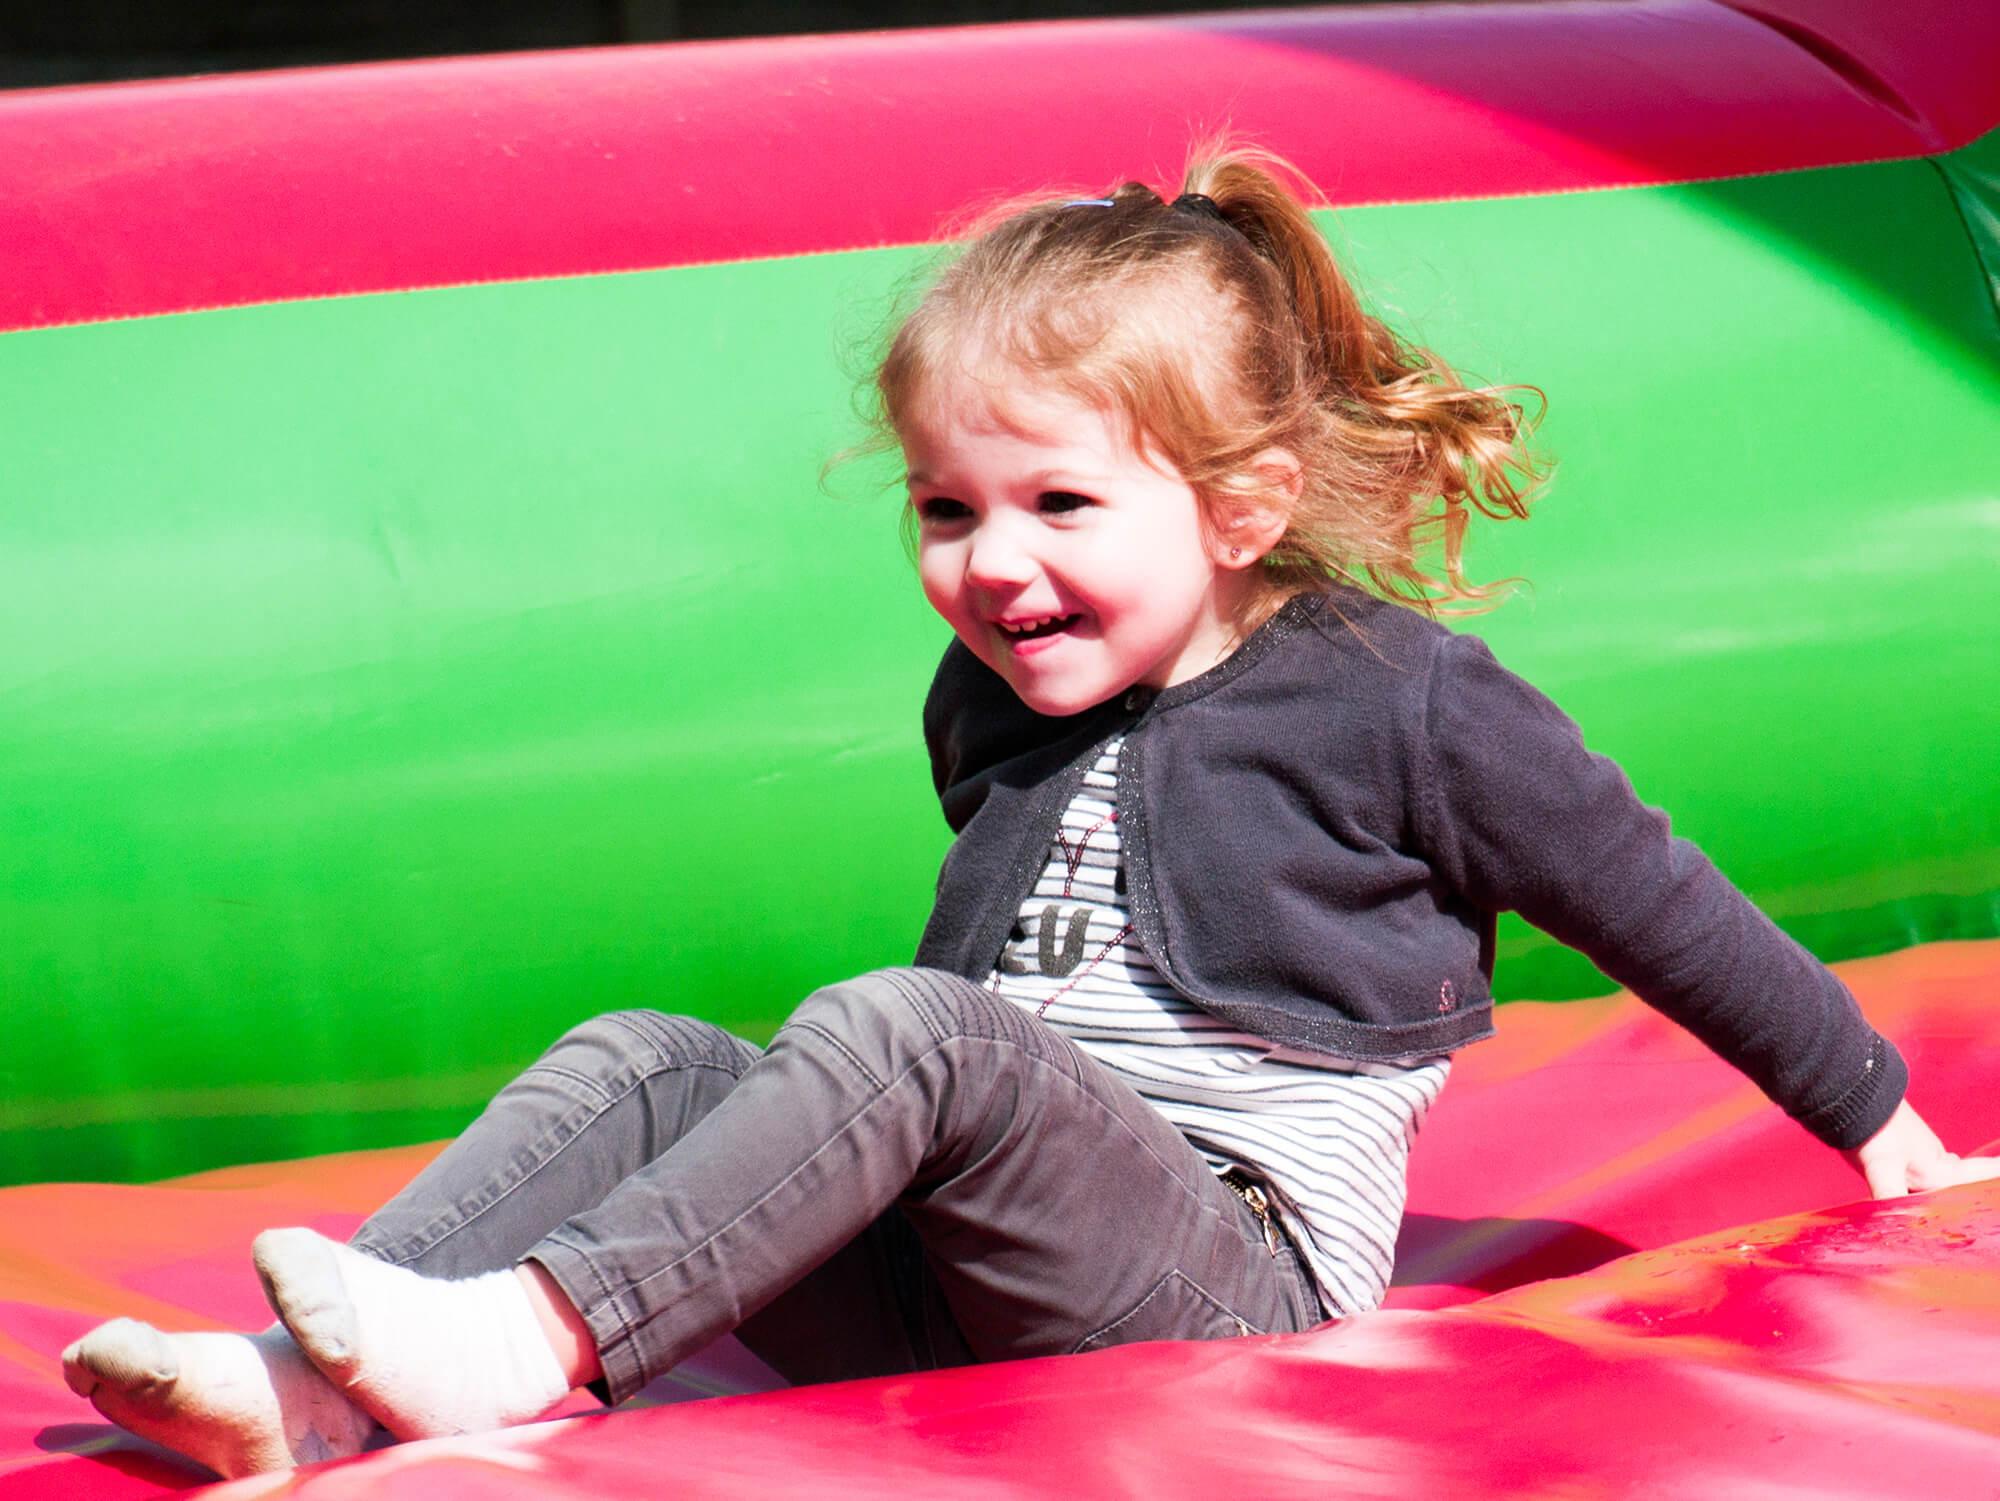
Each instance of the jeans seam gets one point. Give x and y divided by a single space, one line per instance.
1242 1324
1314 1306
922 999
1238 1318
649 1036
844 1050
595 1086
605 1300
1129 1314
658 1032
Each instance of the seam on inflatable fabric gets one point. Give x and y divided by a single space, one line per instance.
400 289
1844 64
407 288
1989 266
1641 185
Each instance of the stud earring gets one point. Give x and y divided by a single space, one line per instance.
1235 552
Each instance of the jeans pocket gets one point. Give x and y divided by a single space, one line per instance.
1177 1307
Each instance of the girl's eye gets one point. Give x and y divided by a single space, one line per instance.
1059 501
942 508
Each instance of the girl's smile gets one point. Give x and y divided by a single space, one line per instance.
1070 563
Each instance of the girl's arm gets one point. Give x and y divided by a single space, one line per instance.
1521 817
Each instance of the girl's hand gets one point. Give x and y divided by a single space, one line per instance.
1906 1157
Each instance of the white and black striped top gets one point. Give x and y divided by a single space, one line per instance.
1330 1137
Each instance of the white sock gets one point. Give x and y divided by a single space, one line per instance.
423 1355
239 1403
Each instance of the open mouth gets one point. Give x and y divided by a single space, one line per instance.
1030 630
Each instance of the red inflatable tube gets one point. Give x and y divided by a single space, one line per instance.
124 200
1837 1353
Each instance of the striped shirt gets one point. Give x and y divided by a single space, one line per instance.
1329 1137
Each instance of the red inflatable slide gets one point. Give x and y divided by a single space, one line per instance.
1703 1327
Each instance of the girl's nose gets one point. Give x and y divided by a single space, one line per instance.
998 559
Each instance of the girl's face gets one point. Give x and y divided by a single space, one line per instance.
1070 564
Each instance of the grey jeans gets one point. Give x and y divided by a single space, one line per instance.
915 1174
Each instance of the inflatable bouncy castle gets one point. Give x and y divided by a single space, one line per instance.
423 619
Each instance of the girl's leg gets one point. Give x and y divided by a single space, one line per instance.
1055 1210
605 1099
602 1103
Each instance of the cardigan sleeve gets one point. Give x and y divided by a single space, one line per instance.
1519 816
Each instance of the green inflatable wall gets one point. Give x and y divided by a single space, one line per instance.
389 681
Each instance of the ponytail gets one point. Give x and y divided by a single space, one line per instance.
1399 445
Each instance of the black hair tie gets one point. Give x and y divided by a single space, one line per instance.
1200 203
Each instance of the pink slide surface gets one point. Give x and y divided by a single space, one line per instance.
1622 1273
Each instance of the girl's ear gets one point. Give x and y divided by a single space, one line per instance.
1258 516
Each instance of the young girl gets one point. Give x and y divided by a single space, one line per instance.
1233 821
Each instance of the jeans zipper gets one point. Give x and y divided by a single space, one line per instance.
1253 1195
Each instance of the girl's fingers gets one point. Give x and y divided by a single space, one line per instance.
1888 1181
1950 1170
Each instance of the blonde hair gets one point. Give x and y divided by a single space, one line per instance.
1219 330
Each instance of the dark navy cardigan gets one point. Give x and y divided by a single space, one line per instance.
1318 832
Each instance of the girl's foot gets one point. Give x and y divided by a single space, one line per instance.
424 1356
238 1403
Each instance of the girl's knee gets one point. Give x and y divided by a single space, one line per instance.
920 1005
621 1038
